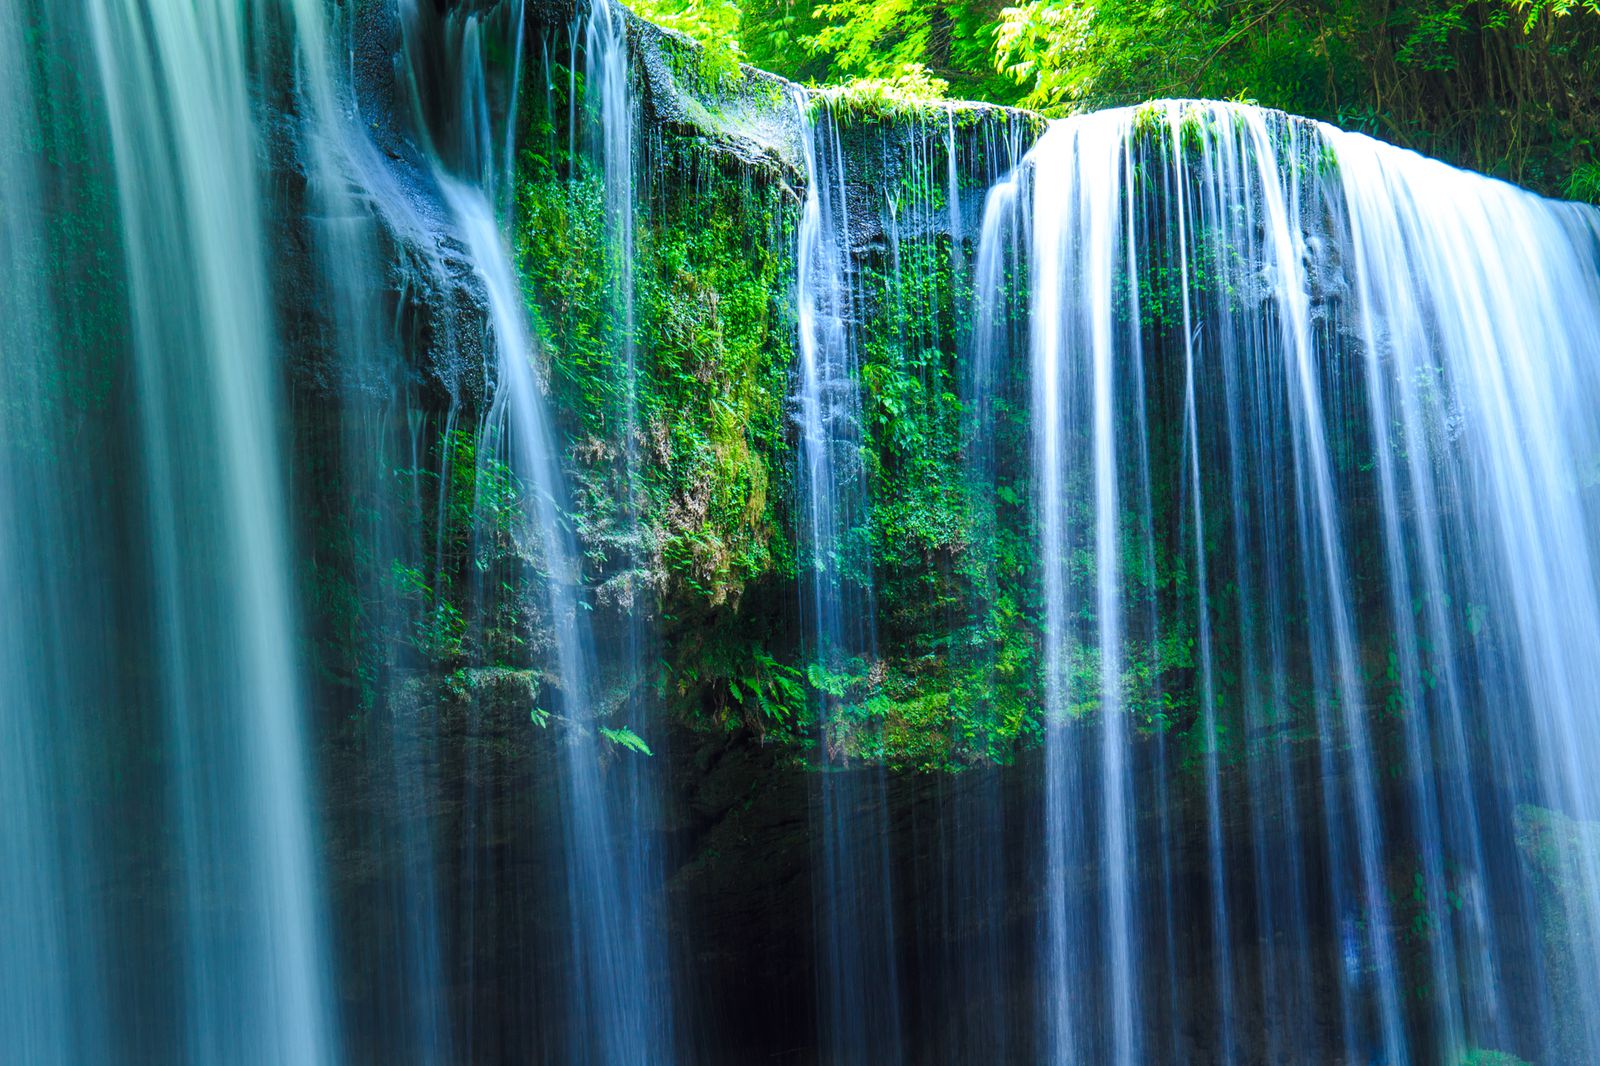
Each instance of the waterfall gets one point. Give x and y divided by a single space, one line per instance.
610 124
607 83
152 609
1336 393
53 1009
616 1013
353 201
1176 642
857 973
991 342
631 792
162 890
176 88
1207 680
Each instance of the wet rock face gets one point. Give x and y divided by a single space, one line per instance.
425 326
742 849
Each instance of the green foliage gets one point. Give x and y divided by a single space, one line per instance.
1534 12
440 627
874 38
570 273
1584 182
1079 56
900 95
714 24
953 681
1507 86
772 686
1429 44
707 275
676 495
390 606
480 503
627 739
724 675
717 392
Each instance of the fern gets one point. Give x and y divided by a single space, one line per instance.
626 738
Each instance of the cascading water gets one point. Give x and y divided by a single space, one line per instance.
150 349
608 92
1206 661
1271 478
617 1013
1077 353
142 128
202 347
54 1010
858 995
609 125
986 341
1501 292
203 342
352 200
1354 382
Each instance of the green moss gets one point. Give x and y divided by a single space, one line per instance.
678 495
710 58
716 387
685 496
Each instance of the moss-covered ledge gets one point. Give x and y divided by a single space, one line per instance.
698 533
680 470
